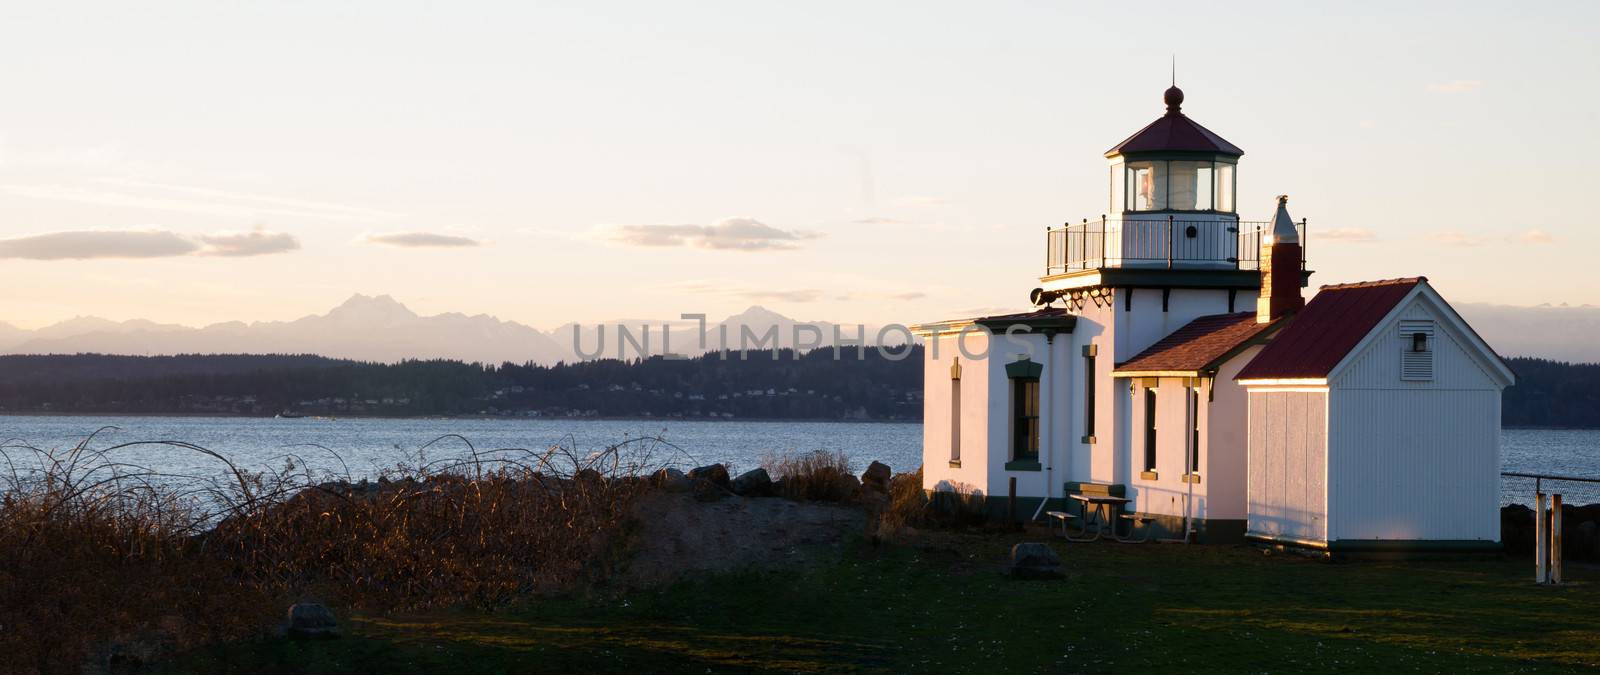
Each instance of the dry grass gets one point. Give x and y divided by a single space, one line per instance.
819 476
99 555
910 507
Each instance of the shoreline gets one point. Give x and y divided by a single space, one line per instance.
201 415
624 418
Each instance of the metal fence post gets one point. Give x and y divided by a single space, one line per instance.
1169 242
1102 238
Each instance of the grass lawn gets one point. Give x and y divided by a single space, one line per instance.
942 605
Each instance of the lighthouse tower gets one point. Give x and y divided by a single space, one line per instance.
1170 249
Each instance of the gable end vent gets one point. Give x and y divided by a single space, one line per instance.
1416 350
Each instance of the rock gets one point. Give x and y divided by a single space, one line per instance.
588 476
849 487
1034 560
877 476
716 474
753 483
673 480
312 620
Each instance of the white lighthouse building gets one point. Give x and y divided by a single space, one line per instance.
1136 378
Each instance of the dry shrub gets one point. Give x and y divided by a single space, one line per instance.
819 476
910 506
95 552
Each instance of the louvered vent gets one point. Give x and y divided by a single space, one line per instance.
1416 350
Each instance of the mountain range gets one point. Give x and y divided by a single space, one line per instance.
380 328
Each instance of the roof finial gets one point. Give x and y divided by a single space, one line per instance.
1174 95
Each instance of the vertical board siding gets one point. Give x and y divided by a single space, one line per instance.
1410 459
1415 464
1378 365
1287 464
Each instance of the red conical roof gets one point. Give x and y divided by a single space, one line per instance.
1175 132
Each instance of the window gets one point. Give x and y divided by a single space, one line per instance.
1150 428
1147 186
1190 188
955 412
1416 350
1088 393
1224 200
1025 426
1194 432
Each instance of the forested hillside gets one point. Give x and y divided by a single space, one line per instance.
813 386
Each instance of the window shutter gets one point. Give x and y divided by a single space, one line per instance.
1416 366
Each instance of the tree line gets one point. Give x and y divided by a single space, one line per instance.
813 385
858 384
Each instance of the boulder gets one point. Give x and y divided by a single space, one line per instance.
877 476
312 620
588 476
1516 529
1585 540
673 480
716 474
753 483
1034 560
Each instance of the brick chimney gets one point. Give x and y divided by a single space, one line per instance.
1280 268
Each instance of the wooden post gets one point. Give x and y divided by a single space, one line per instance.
1010 503
1555 538
1540 541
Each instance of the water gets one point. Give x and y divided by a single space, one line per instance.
365 446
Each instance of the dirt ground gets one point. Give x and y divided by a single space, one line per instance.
678 534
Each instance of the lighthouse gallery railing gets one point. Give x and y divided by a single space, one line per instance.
1155 241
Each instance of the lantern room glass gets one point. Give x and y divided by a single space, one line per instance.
1175 185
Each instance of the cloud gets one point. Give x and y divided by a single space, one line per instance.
1536 236
83 245
420 240
97 244
1455 86
913 295
732 234
254 242
879 221
1454 239
799 295
1359 235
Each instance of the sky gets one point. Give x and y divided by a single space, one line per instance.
547 162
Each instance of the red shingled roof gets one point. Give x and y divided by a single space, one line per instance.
1199 345
1333 323
1175 132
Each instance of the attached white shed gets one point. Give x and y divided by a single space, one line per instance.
1374 424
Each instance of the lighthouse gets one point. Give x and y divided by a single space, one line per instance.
1170 375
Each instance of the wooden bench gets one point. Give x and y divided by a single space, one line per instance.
1063 517
1134 521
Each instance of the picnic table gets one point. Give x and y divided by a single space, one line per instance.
1100 516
